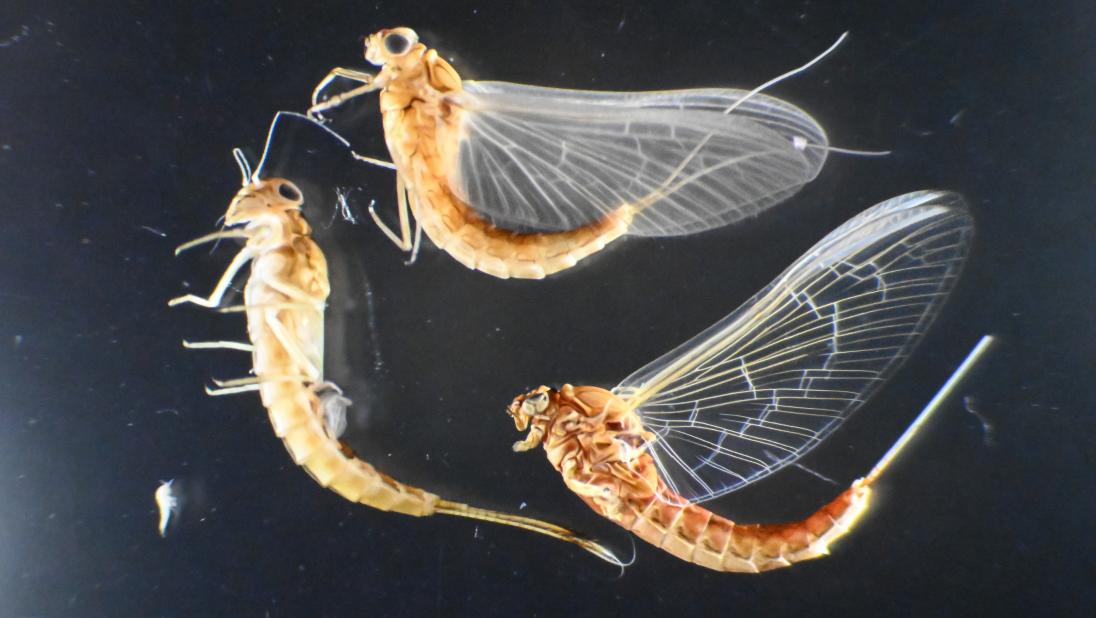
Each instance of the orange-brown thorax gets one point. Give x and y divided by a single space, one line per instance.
414 84
594 440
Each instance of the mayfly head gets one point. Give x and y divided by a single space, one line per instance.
258 198
390 44
525 407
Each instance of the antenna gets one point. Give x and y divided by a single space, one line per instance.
245 167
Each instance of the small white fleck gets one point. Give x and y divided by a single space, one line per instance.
167 503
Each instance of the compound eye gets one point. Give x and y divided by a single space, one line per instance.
537 403
289 192
396 44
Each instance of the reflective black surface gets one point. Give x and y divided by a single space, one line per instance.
116 123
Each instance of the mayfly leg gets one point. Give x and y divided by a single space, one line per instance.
247 385
374 161
218 345
243 308
218 293
209 238
293 347
365 79
232 390
403 239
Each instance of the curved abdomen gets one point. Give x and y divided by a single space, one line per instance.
287 339
459 230
697 535
296 415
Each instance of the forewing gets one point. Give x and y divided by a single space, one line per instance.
554 159
767 383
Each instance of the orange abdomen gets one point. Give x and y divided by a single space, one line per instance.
583 442
413 140
695 534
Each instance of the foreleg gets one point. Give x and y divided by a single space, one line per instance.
214 298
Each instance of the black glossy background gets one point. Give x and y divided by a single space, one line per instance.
116 121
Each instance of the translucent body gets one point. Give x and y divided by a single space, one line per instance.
284 300
521 181
757 390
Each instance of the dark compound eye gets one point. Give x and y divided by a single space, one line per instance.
289 192
396 44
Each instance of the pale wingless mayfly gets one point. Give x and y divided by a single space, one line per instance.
524 181
757 390
284 301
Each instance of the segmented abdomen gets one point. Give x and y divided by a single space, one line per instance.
296 415
456 228
693 533
287 335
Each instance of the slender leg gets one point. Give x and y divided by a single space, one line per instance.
218 345
217 392
532 440
255 381
384 228
218 292
365 79
295 294
243 308
406 208
210 237
405 216
372 161
403 240
237 382
313 369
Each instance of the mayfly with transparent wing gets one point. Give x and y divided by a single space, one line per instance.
480 164
284 301
757 390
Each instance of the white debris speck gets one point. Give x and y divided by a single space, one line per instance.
167 503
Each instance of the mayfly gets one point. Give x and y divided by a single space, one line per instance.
757 390
524 181
284 301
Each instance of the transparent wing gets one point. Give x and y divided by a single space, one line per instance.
555 159
767 383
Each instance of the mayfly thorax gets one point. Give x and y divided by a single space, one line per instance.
480 164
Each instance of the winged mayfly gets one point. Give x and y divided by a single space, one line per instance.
284 300
757 390
524 181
